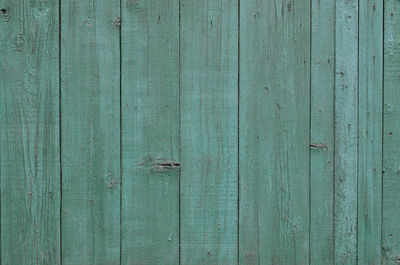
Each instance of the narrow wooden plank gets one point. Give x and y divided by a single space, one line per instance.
370 132
209 132
322 131
29 132
391 135
346 129
150 132
90 93
274 132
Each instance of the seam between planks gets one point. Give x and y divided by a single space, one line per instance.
60 124
120 132
383 120
334 139
179 132
358 124
310 140
238 139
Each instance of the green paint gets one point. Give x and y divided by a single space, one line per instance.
199 132
322 132
209 132
274 132
346 128
29 132
150 132
391 136
90 92
370 132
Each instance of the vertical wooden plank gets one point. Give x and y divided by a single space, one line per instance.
29 131
274 132
346 129
391 135
370 132
209 132
150 132
322 131
90 93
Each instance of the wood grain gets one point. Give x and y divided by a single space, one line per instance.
90 110
370 132
29 132
199 132
391 135
274 132
150 132
209 132
346 129
322 131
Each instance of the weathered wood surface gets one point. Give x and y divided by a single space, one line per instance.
209 131
322 132
150 132
29 132
346 129
391 135
90 132
370 109
199 132
274 132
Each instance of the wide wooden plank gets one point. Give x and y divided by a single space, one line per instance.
209 132
370 132
322 131
150 132
274 132
391 135
29 132
90 101
346 129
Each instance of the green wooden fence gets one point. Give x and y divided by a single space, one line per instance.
194 132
